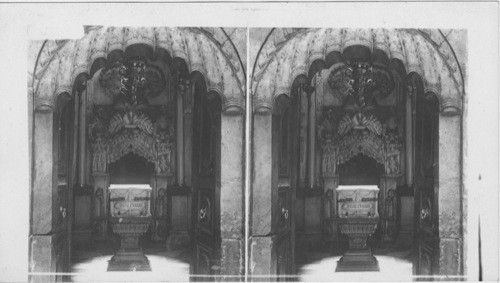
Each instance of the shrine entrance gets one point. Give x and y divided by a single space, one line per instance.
366 107
151 107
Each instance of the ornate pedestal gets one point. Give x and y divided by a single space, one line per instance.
130 218
357 218
130 256
358 257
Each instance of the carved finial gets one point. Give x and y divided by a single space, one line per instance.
410 86
183 85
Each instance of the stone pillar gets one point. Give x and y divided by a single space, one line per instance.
180 136
179 200
312 139
100 206
159 204
331 227
43 257
412 90
388 208
262 243
450 195
82 138
84 193
231 192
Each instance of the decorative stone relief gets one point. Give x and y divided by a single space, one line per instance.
133 79
360 81
131 131
426 212
356 127
130 119
329 160
390 213
326 133
357 134
163 153
99 223
359 121
390 204
160 215
100 155
99 203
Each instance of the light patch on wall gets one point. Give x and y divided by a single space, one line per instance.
54 30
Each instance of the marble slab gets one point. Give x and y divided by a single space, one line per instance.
357 201
130 200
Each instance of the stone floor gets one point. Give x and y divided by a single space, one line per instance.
90 264
394 262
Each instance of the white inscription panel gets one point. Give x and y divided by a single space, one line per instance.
357 201
130 200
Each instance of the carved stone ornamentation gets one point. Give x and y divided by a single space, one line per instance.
163 154
360 82
134 141
99 203
329 160
100 155
133 80
357 134
130 120
390 205
326 133
393 154
161 203
359 121
131 131
361 142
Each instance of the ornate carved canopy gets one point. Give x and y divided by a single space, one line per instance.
126 132
357 134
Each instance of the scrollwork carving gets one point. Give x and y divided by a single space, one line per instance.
361 82
134 79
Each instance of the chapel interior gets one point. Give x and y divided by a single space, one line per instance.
352 108
129 155
160 113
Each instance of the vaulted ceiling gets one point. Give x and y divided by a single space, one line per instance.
59 63
280 62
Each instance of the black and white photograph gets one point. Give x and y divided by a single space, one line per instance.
356 149
249 141
137 153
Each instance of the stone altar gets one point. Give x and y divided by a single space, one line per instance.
358 218
130 218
